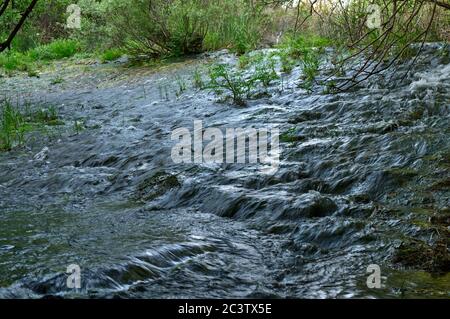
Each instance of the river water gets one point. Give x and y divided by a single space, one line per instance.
354 183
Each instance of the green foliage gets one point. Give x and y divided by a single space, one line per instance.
222 78
240 26
287 63
303 49
265 71
260 69
181 85
296 46
12 127
16 122
12 61
111 55
198 79
261 65
58 49
57 80
26 62
179 27
291 136
310 66
159 28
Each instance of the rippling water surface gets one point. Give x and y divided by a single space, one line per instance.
354 183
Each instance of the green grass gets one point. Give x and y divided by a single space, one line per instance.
12 127
57 80
223 78
111 55
197 79
305 50
239 83
297 45
15 123
56 50
16 61
29 60
310 66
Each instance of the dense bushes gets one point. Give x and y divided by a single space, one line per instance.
158 28
178 27
161 28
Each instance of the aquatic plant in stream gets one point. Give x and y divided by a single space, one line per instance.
259 70
16 122
223 78
197 80
310 66
181 85
12 126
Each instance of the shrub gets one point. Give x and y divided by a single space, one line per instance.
241 28
222 78
160 27
111 55
260 70
177 27
56 50
263 69
310 66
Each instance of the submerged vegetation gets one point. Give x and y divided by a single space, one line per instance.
16 123
237 82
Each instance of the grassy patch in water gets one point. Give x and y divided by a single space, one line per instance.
15 123
305 50
291 136
241 84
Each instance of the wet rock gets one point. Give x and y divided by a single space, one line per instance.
42 155
389 179
382 127
305 116
311 204
156 186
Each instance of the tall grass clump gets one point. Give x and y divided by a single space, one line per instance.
12 126
304 50
111 54
16 121
28 60
58 49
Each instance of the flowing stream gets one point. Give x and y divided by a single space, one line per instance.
361 172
